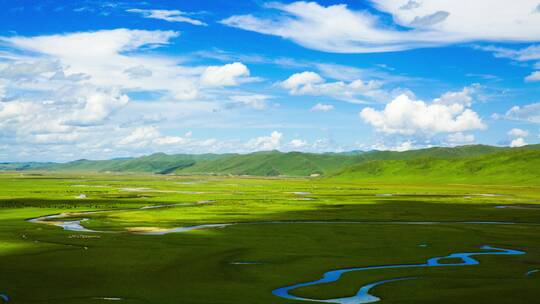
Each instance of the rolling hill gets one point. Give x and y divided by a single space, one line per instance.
509 166
431 162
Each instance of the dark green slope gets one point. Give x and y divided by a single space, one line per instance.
508 166
273 163
302 164
24 166
435 152
155 163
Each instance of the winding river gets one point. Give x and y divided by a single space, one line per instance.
363 295
62 220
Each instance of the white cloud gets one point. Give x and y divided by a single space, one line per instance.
343 72
400 147
254 101
311 83
322 107
534 76
17 110
299 82
265 143
97 107
404 146
167 15
123 58
140 135
529 113
226 75
529 53
518 142
56 138
516 132
406 116
106 58
93 45
66 96
463 97
138 72
336 28
298 143
46 103
459 137
150 136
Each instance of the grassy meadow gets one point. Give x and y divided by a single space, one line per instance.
287 231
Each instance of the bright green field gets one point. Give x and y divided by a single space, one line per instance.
44 264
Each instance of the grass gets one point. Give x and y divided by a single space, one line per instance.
44 264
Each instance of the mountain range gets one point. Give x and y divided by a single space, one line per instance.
479 163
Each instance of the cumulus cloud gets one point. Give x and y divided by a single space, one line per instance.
407 116
226 75
398 147
528 113
534 76
299 82
17 110
337 28
322 107
46 99
98 106
265 143
298 143
64 92
113 58
462 98
311 83
516 132
167 15
404 146
140 135
459 138
123 58
518 142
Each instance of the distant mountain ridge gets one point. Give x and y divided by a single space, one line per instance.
354 164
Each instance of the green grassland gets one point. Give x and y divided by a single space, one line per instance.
44 264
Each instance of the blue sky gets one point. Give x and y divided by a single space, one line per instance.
101 79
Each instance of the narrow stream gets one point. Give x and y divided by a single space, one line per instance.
363 296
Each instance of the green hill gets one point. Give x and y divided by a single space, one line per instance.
508 166
273 163
155 163
357 164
